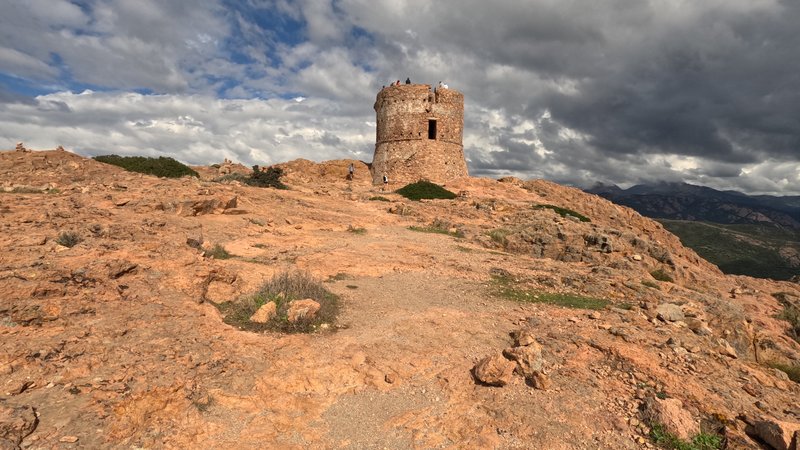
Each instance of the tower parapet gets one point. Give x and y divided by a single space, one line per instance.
419 134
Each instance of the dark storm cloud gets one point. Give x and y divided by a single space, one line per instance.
621 91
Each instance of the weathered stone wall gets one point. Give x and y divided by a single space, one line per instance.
403 150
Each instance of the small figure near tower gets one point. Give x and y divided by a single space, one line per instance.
419 134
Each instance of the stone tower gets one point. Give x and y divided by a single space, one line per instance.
418 134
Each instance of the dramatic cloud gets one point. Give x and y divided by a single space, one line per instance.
620 91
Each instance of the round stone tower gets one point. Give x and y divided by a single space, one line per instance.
418 134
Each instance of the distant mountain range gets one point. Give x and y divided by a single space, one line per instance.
756 235
681 201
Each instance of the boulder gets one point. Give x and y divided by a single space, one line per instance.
528 358
777 434
670 312
266 312
540 380
302 310
16 423
671 415
494 370
523 337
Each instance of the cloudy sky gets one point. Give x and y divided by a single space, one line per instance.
621 91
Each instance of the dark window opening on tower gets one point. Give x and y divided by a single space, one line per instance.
431 129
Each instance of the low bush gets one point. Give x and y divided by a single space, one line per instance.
379 198
703 441
68 239
282 289
160 167
271 177
564 212
425 190
218 252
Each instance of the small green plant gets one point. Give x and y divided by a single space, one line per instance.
282 289
792 371
356 230
661 275
702 441
258 222
259 245
379 198
650 284
218 252
564 212
160 167
425 190
68 239
507 287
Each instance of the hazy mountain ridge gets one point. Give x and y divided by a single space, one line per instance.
757 236
682 201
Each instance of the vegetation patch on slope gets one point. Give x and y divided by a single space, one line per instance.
161 167
703 441
505 286
425 190
564 212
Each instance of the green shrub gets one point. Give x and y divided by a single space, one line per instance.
564 212
68 239
266 178
379 198
703 441
439 227
218 252
160 167
425 190
661 275
282 289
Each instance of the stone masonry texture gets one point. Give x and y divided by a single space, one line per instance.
419 134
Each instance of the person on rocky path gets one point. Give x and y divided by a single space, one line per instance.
351 171
385 182
408 80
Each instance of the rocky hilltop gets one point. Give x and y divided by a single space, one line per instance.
458 337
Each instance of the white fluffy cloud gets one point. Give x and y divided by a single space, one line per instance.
193 128
620 91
